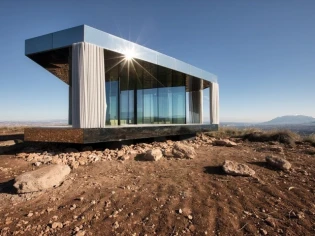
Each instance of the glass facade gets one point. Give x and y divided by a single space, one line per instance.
139 92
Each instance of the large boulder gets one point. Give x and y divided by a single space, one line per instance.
41 179
278 162
181 150
234 168
153 155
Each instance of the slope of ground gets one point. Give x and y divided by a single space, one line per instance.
168 197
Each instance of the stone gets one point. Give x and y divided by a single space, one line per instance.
120 153
224 142
234 168
124 157
300 215
41 179
74 206
116 225
132 154
80 233
8 220
263 231
83 160
181 150
56 225
153 155
93 158
276 148
46 159
270 221
168 152
30 214
38 163
278 162
74 165
56 160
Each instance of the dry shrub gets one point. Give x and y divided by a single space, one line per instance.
310 139
310 152
281 136
257 135
231 132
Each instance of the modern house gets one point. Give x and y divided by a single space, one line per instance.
119 90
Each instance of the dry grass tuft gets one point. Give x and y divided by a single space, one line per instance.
310 139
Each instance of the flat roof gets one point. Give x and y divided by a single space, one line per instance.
84 33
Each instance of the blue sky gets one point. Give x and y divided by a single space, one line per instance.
262 51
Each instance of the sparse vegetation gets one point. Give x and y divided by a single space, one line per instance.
5 130
231 132
257 135
281 136
310 139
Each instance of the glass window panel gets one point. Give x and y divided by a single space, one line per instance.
150 94
127 83
165 95
193 99
178 98
206 106
111 86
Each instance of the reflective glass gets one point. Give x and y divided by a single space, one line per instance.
111 86
206 106
127 83
139 92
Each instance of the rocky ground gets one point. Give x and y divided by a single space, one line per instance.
165 188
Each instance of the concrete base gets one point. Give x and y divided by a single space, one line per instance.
109 134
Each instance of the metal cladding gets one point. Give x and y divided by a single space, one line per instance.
84 33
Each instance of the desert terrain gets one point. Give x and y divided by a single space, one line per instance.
115 192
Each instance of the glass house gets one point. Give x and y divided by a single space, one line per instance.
120 90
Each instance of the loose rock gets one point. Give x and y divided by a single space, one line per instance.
40 179
153 155
224 142
234 168
56 225
181 150
278 162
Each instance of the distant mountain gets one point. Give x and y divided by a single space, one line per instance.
290 120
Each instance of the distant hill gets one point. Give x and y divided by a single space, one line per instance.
290 120
34 123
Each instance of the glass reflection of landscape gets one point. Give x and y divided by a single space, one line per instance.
139 92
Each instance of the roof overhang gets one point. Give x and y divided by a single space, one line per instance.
84 33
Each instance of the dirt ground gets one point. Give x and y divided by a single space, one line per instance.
168 197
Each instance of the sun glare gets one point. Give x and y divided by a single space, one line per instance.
129 54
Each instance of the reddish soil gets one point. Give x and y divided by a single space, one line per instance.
144 198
